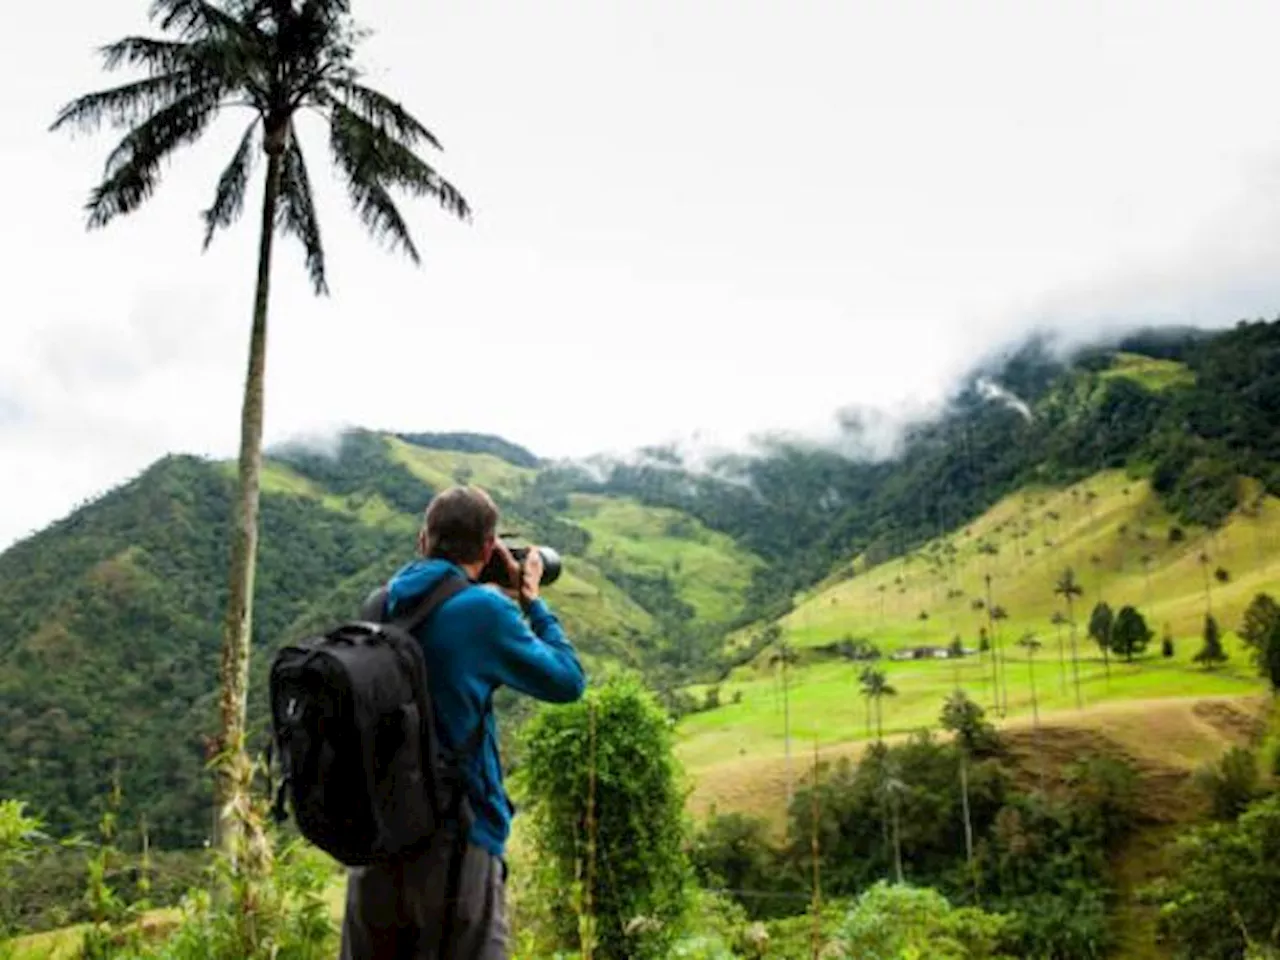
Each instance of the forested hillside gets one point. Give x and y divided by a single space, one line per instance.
1189 409
109 619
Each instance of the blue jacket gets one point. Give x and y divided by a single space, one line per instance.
479 641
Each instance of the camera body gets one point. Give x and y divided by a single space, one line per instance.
495 571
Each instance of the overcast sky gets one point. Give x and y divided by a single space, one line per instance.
693 218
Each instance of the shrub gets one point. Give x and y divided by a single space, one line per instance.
712 701
1225 887
733 851
606 813
904 921
1232 784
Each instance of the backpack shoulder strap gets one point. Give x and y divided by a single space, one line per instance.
448 587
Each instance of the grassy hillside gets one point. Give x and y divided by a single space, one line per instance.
1111 529
710 572
1153 373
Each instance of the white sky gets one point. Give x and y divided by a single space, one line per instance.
693 218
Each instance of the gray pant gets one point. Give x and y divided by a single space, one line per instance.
399 911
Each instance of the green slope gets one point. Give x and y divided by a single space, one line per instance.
443 468
709 571
1103 527
1153 373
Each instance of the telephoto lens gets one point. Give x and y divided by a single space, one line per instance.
495 570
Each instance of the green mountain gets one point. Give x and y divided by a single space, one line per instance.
109 619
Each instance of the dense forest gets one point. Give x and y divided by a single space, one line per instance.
110 616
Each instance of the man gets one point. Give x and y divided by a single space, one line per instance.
475 642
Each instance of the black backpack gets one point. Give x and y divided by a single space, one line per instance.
353 726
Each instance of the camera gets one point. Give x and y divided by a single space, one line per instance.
495 571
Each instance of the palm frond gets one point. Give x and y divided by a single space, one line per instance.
158 56
370 198
388 162
133 167
228 201
179 123
128 103
297 210
380 110
196 18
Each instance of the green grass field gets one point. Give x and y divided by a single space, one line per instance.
1103 528
1150 372
826 705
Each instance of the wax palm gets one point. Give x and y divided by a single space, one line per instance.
1067 588
274 58
876 686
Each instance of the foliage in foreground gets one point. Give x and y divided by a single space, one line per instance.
1221 901
19 833
606 809
899 922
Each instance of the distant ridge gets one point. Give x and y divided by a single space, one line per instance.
474 443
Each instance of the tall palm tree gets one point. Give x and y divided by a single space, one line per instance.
1068 589
999 613
1203 560
995 644
1058 619
783 658
876 687
275 58
1031 644
864 687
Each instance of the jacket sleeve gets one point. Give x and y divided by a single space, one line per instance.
534 657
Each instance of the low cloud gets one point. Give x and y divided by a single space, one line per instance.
991 390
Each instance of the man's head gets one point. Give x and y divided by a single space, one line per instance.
460 525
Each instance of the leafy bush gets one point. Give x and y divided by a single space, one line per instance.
1057 926
1104 796
19 835
280 915
1225 888
1232 784
732 852
606 812
903 922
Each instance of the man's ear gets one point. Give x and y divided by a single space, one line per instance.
422 543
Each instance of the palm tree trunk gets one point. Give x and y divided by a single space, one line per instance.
968 821
1031 675
786 721
232 778
1075 654
897 839
1062 662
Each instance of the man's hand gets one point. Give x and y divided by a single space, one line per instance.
528 579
